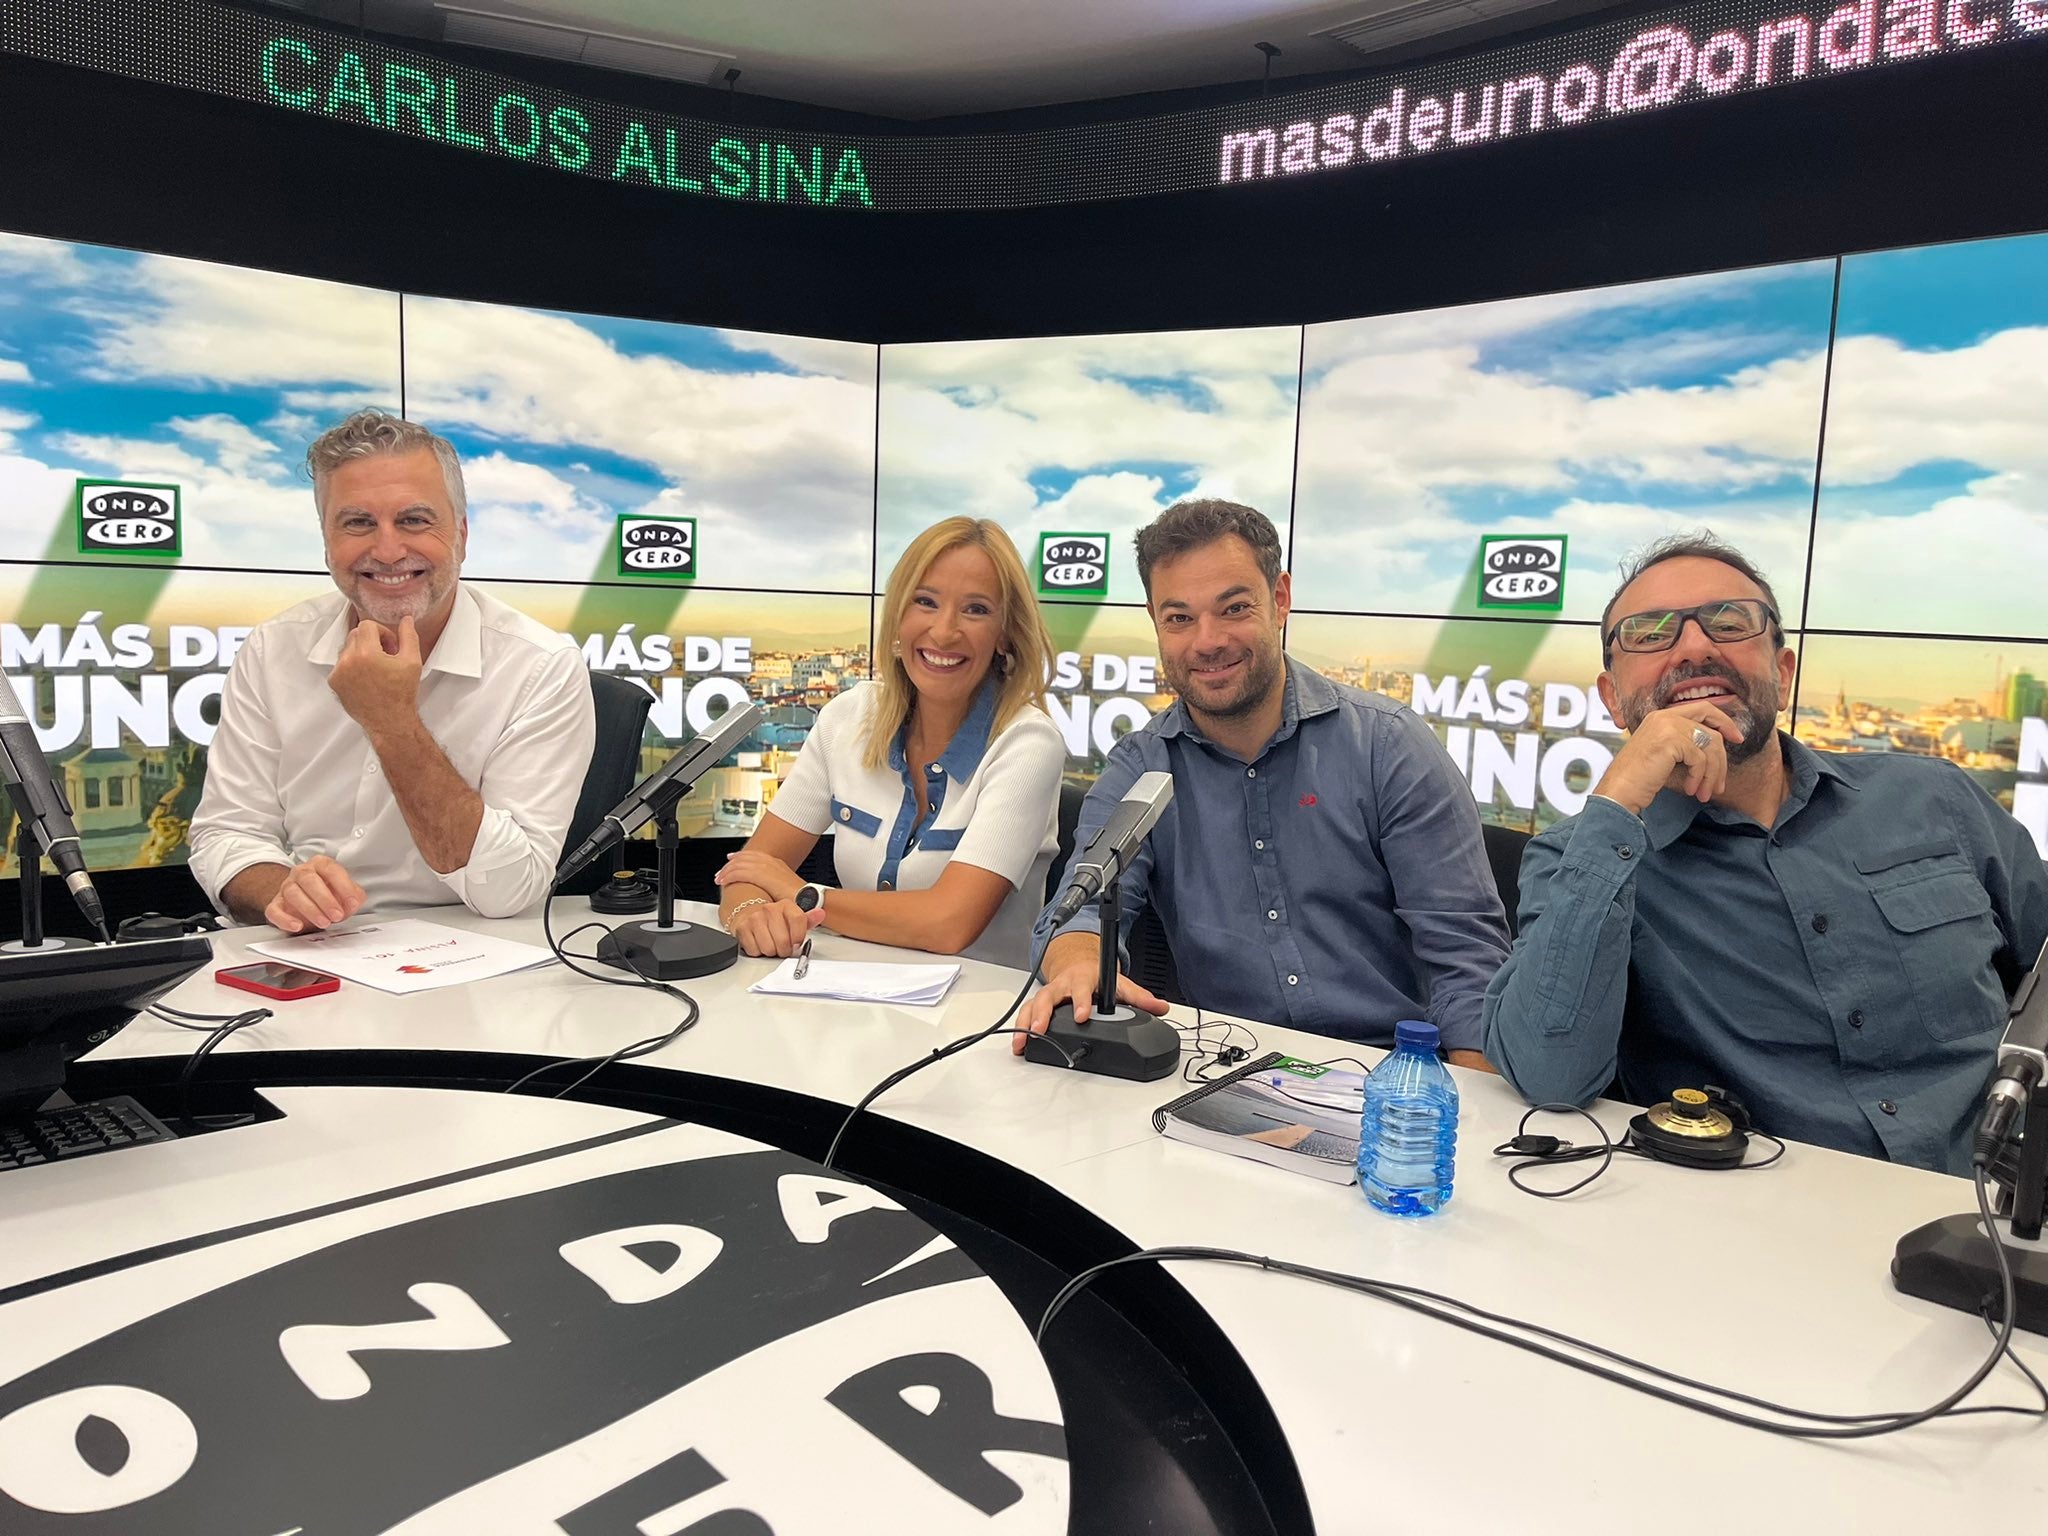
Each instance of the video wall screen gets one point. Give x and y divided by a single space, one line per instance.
715 513
1082 440
761 448
1605 418
1934 489
203 381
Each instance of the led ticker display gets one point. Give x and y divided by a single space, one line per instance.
1689 54
1700 53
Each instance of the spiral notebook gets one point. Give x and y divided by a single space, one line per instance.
1279 1110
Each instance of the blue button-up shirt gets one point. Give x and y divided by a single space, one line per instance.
1335 882
1843 972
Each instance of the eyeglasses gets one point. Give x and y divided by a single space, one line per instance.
1742 618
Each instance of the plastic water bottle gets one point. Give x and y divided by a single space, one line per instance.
1408 1141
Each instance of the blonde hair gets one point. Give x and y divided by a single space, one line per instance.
1025 640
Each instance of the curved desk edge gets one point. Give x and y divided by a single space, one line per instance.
933 1168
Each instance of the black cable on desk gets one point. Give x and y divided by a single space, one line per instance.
218 1027
639 978
950 1048
1536 1151
1807 1424
1203 1057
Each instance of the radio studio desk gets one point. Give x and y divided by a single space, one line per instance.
1343 1409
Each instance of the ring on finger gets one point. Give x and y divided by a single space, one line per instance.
1701 736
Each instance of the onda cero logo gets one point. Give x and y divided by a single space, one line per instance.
658 546
1073 564
121 517
1519 570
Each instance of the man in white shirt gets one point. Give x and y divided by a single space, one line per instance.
407 740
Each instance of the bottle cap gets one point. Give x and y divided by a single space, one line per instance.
1416 1032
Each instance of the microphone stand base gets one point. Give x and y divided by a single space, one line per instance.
1122 1042
1949 1261
674 953
51 943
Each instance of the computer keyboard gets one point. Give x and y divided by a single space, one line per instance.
77 1130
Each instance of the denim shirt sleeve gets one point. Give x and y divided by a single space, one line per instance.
1119 773
1553 1013
1435 856
2011 869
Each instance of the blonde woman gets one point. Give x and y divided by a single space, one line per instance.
939 781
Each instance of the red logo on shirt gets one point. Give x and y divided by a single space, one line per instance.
1308 800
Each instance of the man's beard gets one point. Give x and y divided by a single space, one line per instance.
1755 715
380 607
1263 670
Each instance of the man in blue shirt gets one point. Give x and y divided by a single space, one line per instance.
1321 863
1832 938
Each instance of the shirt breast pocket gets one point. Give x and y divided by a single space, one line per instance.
1944 932
851 818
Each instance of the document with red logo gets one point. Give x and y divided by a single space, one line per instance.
405 955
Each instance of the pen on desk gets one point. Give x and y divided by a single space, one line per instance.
803 961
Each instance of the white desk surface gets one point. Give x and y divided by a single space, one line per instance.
1774 1282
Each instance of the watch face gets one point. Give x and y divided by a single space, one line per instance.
808 898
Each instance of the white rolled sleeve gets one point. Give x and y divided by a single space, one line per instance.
290 777
529 788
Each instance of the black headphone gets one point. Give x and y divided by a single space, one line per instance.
154 925
1695 1128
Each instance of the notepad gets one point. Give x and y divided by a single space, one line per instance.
861 981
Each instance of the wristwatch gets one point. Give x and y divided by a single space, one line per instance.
810 899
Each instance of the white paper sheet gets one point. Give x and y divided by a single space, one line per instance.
862 981
405 955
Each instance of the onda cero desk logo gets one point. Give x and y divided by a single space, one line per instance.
123 517
1073 565
658 546
1519 570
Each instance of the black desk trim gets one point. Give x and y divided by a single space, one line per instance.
121 1261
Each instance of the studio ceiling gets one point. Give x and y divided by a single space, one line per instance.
917 59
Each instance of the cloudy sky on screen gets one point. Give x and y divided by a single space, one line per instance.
1610 415
216 377
1088 434
1934 489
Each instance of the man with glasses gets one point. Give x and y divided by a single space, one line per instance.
1833 938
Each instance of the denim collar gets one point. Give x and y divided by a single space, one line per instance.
1671 813
969 745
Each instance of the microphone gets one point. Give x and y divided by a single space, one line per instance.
1109 854
666 783
40 802
2022 1063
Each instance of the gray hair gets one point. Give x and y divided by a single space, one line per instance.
1200 522
368 433
1699 544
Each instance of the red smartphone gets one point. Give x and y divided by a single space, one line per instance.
273 978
